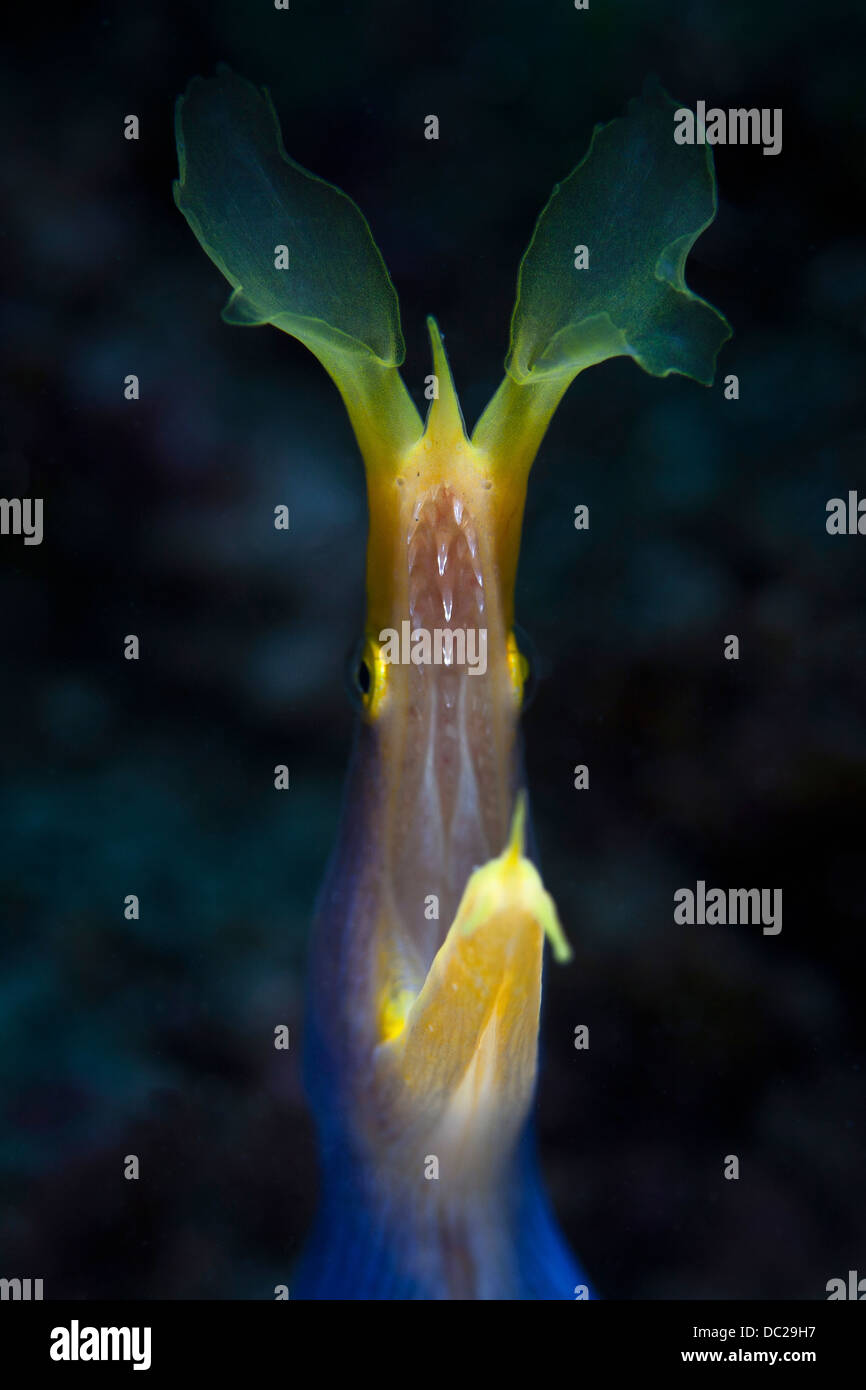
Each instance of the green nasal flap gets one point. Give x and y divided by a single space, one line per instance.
297 251
603 275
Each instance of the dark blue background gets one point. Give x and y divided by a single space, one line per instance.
155 778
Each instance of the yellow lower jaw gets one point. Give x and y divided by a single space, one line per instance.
467 1042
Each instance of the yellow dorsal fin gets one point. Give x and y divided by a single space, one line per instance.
517 834
511 881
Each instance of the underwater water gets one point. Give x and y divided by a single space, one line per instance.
155 1036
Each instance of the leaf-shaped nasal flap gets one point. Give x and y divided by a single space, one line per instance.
297 250
603 275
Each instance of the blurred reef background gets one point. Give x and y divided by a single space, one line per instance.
156 778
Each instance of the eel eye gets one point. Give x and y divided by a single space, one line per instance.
522 665
365 675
